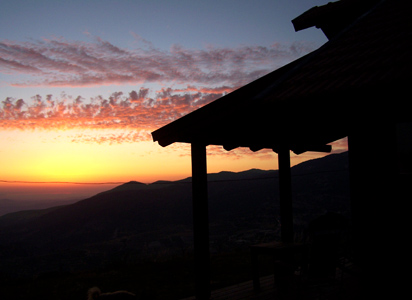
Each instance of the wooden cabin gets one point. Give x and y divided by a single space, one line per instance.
356 85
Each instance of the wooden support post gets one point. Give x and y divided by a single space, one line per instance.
285 195
200 221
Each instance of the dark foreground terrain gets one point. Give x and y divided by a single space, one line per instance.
138 237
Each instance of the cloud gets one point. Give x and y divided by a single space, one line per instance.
139 111
62 63
202 75
239 153
13 66
112 138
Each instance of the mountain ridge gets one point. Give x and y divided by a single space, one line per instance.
252 174
243 206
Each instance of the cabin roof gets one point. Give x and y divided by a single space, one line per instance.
359 74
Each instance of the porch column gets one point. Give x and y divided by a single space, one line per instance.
200 221
285 195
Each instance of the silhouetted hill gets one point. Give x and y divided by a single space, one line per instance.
136 220
15 218
9 206
128 186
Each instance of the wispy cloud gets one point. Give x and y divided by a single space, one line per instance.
190 78
62 63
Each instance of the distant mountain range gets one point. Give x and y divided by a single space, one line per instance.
136 220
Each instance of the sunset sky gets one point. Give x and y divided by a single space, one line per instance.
84 83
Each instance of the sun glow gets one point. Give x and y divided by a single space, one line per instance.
65 166
56 156
53 156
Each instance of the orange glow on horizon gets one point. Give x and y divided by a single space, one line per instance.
53 156
48 156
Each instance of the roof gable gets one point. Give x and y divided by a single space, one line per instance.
317 98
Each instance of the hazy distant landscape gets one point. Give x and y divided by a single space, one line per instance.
134 231
17 196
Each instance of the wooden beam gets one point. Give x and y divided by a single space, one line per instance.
285 195
200 221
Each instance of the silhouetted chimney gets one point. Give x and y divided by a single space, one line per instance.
333 17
